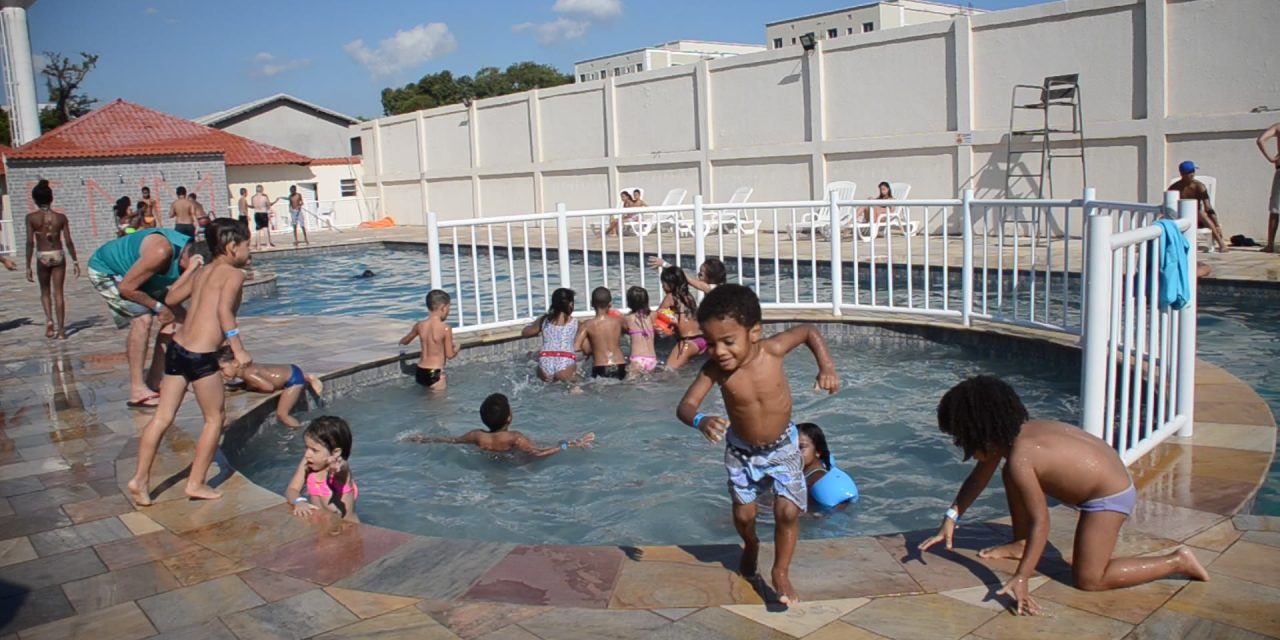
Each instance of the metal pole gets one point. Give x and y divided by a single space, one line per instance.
837 264
562 244
1187 211
433 248
1086 210
1096 325
699 240
966 269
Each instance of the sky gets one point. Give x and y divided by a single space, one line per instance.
193 57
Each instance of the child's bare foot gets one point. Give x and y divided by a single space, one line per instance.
1007 551
62 334
139 492
48 330
782 584
747 565
317 385
202 492
1191 566
1268 249
289 421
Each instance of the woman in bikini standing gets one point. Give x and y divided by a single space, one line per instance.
47 233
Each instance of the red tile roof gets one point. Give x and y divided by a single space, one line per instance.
336 160
122 129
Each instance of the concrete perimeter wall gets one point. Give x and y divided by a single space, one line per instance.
1161 82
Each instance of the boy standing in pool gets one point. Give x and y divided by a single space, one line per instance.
603 337
495 413
437 342
1042 458
762 445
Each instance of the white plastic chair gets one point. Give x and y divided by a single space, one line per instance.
324 217
739 220
1204 236
896 217
816 221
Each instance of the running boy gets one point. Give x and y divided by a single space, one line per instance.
270 378
437 342
603 337
495 413
987 420
192 357
762 446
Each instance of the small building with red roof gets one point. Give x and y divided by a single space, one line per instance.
121 147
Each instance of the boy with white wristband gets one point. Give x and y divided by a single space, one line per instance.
192 358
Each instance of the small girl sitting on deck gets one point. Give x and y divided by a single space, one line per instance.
640 327
324 472
557 361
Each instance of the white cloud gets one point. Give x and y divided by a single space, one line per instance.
151 11
404 50
265 65
594 10
555 31
576 18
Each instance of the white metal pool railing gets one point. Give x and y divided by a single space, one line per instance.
1138 371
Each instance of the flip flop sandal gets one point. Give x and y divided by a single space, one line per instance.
143 403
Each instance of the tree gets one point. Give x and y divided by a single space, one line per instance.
63 79
6 136
438 89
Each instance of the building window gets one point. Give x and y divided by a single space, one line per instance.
850 30
583 78
348 186
868 27
777 43
793 41
639 66
357 146
833 33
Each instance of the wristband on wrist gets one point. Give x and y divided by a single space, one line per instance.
300 500
953 514
697 419
157 307
231 333
564 444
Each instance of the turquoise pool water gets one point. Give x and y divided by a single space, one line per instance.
652 480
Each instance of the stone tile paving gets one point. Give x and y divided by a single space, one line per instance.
76 559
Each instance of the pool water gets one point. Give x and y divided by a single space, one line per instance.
650 479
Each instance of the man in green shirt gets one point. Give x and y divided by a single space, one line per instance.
133 274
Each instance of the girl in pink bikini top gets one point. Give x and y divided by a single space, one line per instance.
330 487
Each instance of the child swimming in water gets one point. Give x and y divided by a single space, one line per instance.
762 446
270 378
495 414
680 301
640 327
324 472
710 275
987 420
558 360
829 486
436 338
601 336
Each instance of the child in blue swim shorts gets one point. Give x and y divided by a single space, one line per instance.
270 378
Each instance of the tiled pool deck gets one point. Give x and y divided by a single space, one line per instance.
77 560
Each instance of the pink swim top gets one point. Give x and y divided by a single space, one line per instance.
318 486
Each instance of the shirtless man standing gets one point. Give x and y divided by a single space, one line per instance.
197 210
1189 188
295 215
262 216
47 233
243 207
151 207
183 214
1272 133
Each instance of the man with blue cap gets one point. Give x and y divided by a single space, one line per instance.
1189 188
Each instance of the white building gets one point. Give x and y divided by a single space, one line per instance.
661 56
290 123
863 18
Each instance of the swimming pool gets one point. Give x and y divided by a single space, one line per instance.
650 479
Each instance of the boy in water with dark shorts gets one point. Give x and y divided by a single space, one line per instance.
192 357
762 445
270 378
987 420
437 342
603 337
495 413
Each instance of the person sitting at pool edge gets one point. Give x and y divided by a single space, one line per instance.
601 336
829 486
495 414
985 418
270 378
437 342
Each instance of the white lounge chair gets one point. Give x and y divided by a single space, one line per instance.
818 220
648 222
739 220
1204 236
896 217
324 217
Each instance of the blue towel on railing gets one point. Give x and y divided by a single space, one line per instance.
1175 281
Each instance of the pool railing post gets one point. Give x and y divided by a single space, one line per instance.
1096 325
966 258
699 238
837 263
1086 209
1188 212
562 244
433 248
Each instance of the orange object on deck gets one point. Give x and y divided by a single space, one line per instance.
382 223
